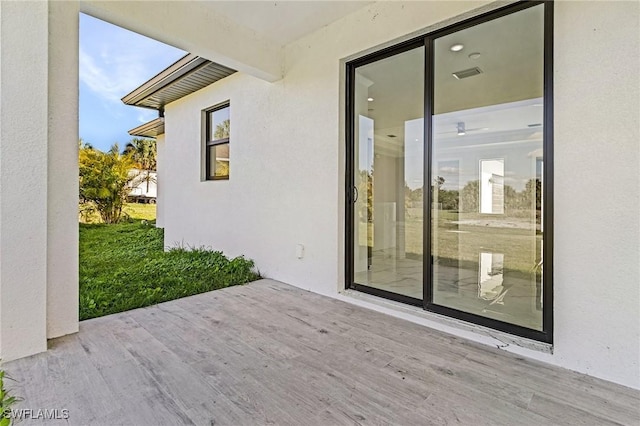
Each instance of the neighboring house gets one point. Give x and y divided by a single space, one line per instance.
463 165
144 187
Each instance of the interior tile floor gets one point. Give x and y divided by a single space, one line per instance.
513 300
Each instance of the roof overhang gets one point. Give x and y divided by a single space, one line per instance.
187 75
150 129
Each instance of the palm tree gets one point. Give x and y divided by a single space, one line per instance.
222 130
143 153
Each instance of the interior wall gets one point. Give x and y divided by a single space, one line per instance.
287 171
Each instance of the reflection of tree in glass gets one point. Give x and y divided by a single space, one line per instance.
447 199
222 130
222 168
412 199
516 203
469 196
365 186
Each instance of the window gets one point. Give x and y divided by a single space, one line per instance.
449 157
217 130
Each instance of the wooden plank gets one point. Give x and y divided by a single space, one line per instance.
269 353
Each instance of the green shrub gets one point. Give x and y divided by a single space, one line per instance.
124 266
7 401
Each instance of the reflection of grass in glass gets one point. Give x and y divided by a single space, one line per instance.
365 234
222 168
463 246
518 245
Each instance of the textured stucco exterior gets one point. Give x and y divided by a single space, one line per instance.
38 175
287 173
62 183
23 178
160 172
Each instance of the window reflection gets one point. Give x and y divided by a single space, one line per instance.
487 136
492 186
490 277
389 170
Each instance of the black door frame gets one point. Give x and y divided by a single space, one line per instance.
426 41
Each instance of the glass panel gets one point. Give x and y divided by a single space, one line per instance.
389 156
487 158
220 124
219 160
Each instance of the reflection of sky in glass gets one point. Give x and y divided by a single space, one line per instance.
365 160
498 129
450 171
413 153
219 116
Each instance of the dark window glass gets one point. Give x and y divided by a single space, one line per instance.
217 143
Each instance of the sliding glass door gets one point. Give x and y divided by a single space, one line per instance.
452 212
388 102
486 166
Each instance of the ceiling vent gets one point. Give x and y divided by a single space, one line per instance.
467 73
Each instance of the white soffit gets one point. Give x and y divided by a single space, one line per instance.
285 21
149 129
187 75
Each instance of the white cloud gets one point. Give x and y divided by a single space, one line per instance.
447 170
114 61
147 115
114 81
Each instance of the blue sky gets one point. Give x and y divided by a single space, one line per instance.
113 62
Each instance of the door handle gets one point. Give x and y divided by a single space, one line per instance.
355 192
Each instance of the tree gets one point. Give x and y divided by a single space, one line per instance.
222 130
469 197
106 179
143 152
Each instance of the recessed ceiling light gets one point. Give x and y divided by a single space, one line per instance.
457 47
370 99
474 55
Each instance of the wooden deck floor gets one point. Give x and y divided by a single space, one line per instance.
268 353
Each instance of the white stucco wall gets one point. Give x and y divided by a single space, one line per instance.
597 189
23 178
62 184
38 175
287 171
161 169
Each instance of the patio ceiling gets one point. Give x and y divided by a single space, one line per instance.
270 353
285 21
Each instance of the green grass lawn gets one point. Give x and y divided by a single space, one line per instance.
124 266
130 211
140 211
